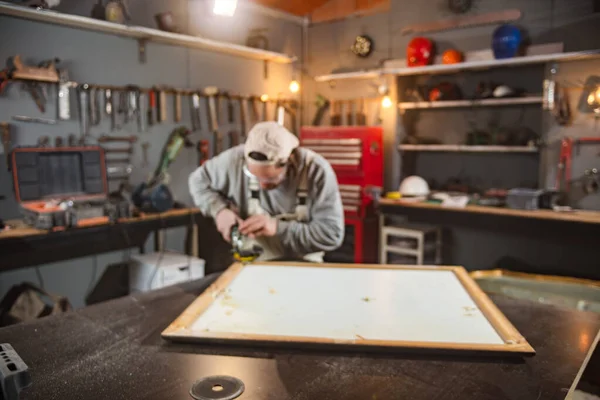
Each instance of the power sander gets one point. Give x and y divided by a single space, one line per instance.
244 250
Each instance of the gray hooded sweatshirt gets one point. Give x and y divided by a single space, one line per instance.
221 183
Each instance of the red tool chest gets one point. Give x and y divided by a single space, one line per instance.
356 155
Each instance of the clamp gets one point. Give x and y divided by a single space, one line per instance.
564 164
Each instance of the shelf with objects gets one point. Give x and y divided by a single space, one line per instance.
473 115
169 35
473 61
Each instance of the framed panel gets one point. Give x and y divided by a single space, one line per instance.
362 305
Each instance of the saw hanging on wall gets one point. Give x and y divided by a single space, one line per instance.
464 22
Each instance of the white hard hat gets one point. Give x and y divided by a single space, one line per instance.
414 186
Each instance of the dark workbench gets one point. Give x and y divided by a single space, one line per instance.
26 246
114 351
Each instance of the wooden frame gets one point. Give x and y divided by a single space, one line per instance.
514 342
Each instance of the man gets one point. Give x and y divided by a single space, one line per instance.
284 197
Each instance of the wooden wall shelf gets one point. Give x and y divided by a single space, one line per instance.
398 67
467 148
141 33
470 103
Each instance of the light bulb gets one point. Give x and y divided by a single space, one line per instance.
264 98
294 86
225 7
386 102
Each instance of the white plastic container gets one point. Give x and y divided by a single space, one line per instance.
159 270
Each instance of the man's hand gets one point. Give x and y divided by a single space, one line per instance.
225 220
259 225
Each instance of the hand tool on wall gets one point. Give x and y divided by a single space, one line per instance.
177 107
161 106
211 93
45 72
350 113
5 134
322 105
123 106
83 92
43 141
142 113
94 107
72 140
279 113
109 108
244 124
361 116
119 170
234 138
563 172
106 139
151 107
265 105
195 111
37 94
203 151
23 118
336 118
562 109
64 96
230 109
253 108
133 97
290 109
145 147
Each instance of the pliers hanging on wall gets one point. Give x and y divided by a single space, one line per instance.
563 172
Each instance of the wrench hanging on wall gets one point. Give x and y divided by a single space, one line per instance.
211 93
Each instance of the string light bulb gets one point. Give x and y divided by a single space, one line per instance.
294 86
264 98
386 102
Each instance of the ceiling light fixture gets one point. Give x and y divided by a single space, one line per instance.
225 7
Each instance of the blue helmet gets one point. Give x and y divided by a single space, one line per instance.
506 41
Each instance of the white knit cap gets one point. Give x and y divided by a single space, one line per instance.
272 140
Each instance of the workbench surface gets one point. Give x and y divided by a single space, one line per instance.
25 246
114 351
581 216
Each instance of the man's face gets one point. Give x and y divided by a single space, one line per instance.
268 176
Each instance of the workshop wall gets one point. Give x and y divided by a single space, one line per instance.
571 22
105 59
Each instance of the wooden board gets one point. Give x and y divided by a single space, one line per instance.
469 21
349 304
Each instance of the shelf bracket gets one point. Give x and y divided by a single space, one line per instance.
142 50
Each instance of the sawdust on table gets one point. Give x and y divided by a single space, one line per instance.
367 299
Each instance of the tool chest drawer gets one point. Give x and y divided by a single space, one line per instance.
360 242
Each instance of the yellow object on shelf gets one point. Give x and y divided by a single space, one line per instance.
393 195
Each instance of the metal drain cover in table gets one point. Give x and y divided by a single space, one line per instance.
219 387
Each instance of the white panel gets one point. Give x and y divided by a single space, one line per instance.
339 303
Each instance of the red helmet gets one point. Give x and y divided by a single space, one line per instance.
419 52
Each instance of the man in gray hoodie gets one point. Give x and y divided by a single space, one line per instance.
284 197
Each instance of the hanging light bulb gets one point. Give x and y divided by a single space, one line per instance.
386 102
225 7
294 86
264 98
